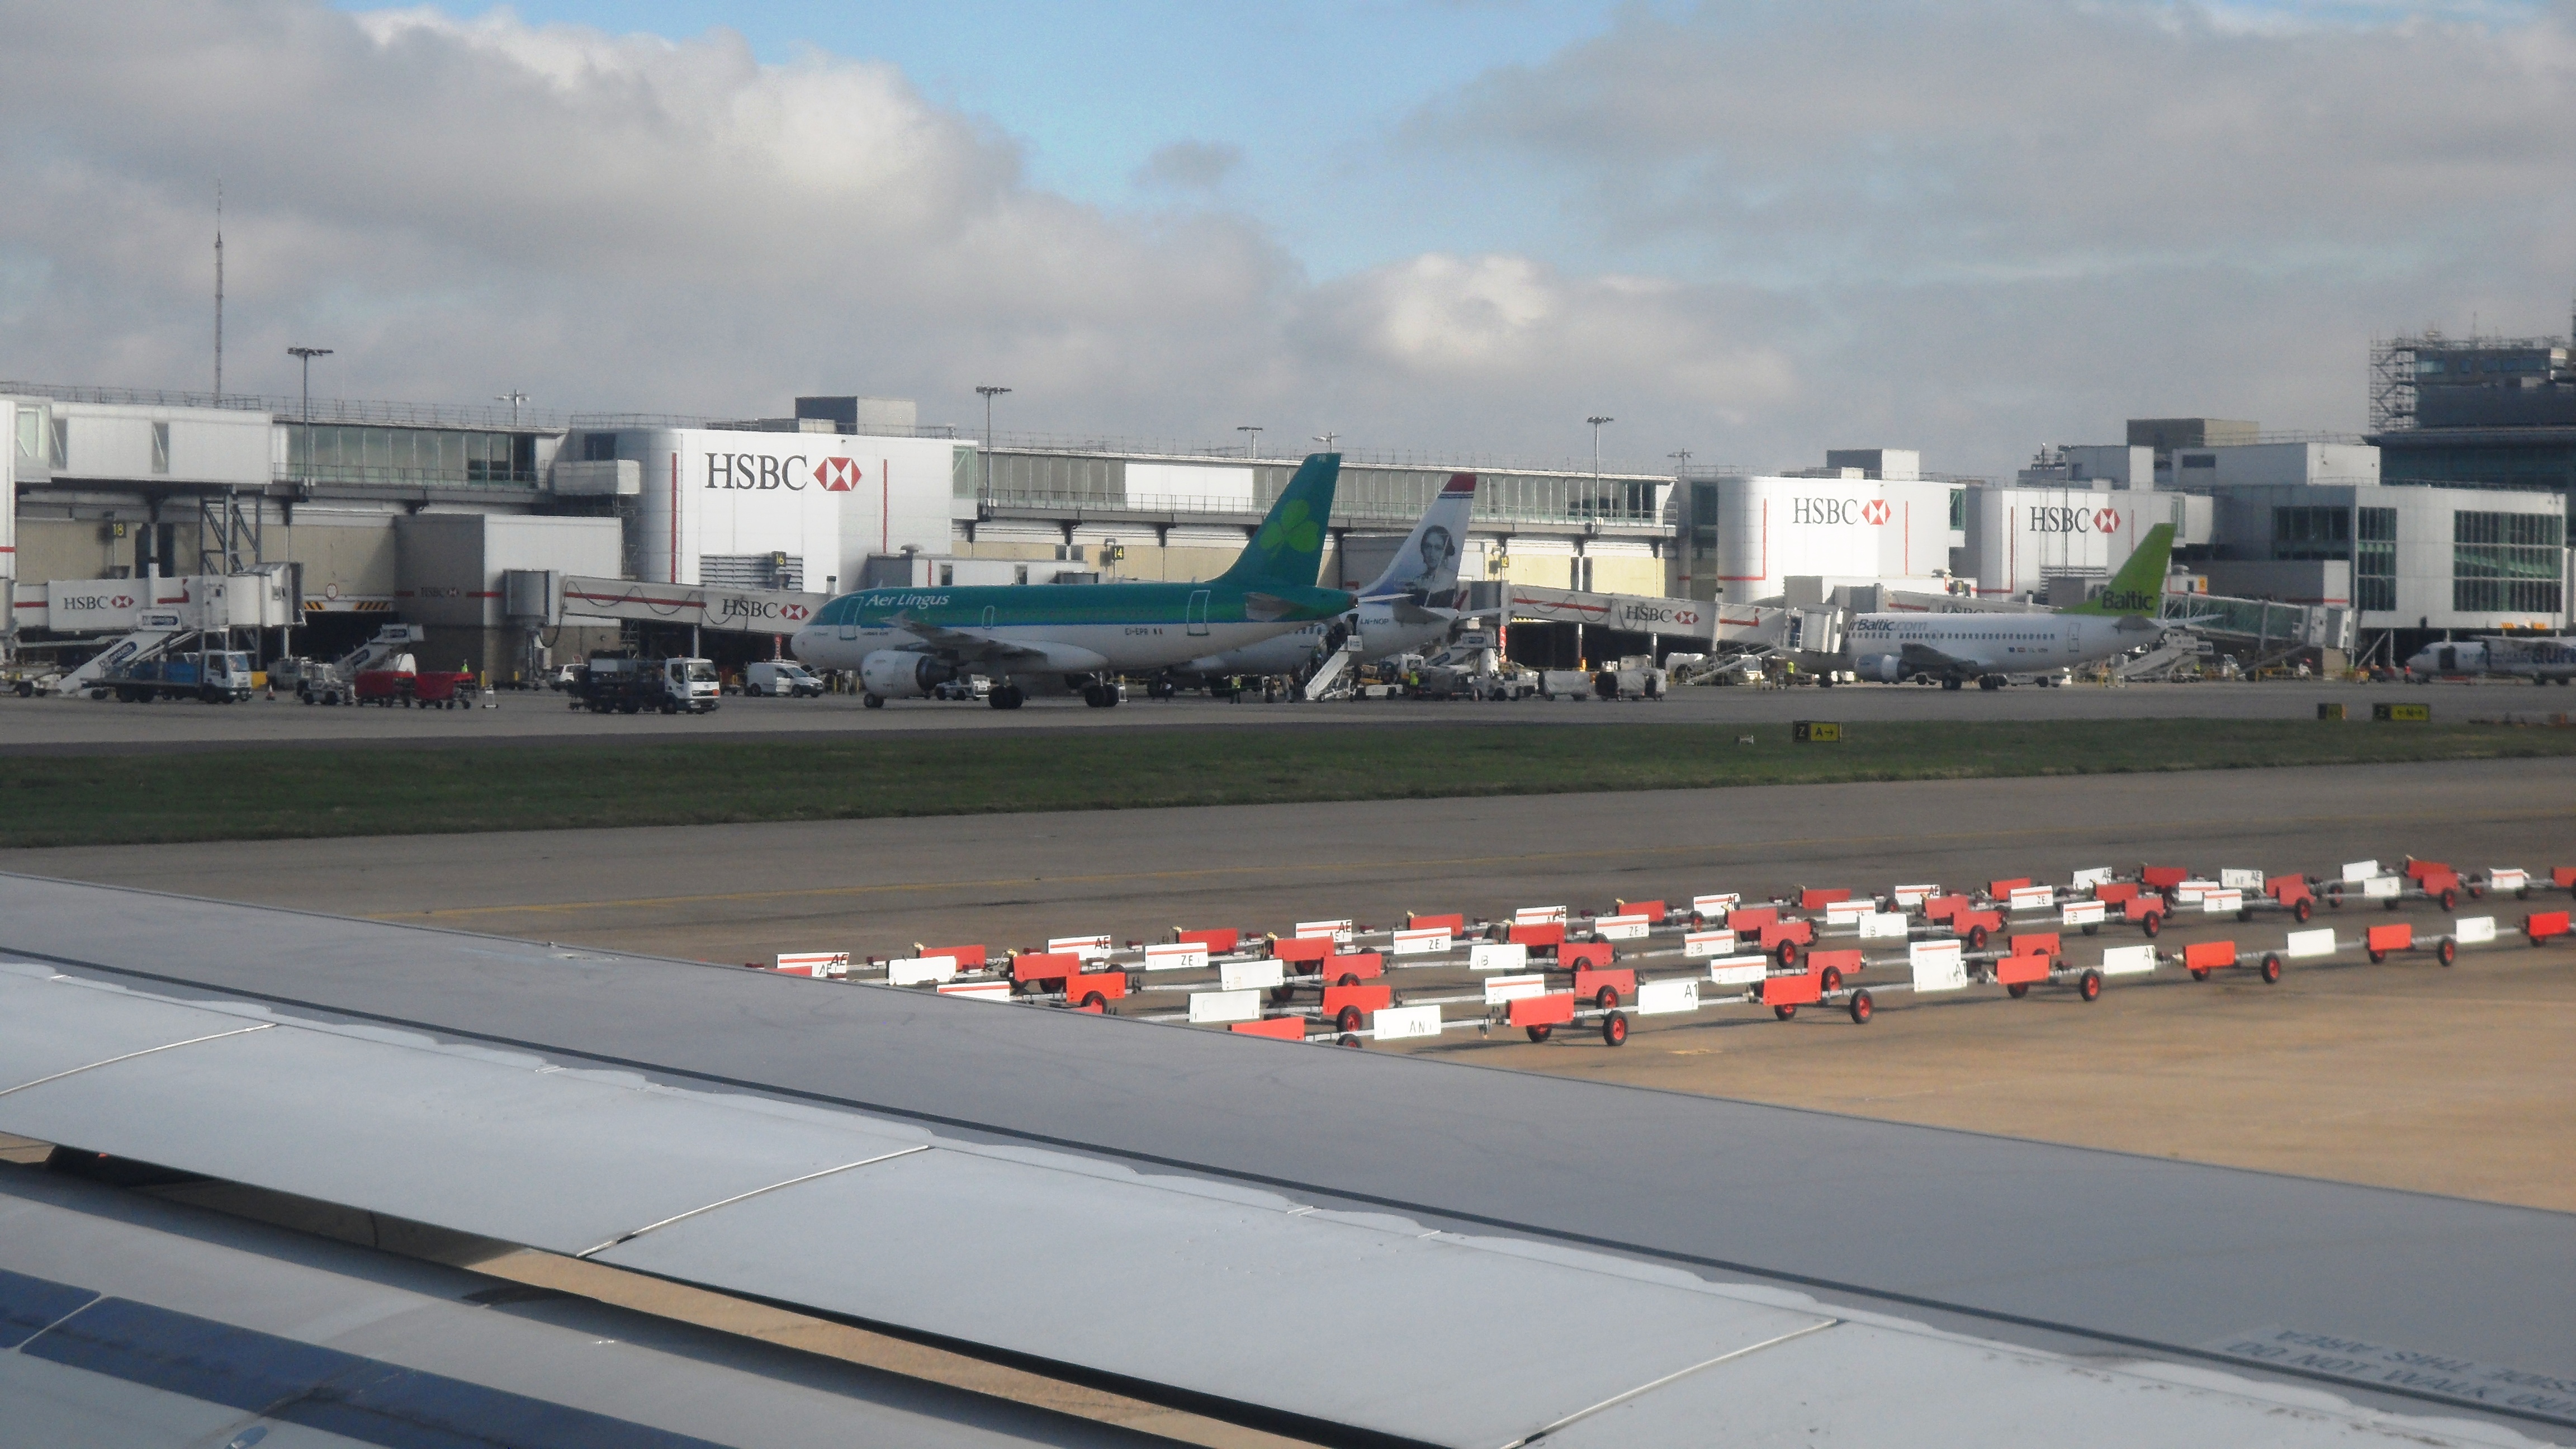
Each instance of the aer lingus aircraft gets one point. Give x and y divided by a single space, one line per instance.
905 642
1991 648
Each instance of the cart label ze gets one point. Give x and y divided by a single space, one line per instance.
2032 898
1620 928
1177 956
1430 942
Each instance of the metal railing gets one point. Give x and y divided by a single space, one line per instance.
368 477
1248 511
1180 450
483 416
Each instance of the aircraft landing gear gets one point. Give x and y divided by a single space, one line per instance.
1100 696
1005 696
875 701
1990 681
1950 681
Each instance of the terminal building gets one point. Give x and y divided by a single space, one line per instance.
367 513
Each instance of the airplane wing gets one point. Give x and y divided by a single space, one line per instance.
969 648
1597 1266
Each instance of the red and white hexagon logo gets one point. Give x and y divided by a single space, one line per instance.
1874 511
792 611
2106 520
837 475
121 601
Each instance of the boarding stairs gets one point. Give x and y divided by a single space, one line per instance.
156 633
1337 667
2176 650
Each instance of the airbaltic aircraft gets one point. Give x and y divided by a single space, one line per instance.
905 642
1404 610
2542 661
1993 647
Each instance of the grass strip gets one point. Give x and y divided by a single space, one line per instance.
305 791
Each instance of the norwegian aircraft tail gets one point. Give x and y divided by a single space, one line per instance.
1427 565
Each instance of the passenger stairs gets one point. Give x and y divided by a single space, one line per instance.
1336 666
155 633
2177 650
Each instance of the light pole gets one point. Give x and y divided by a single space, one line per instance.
1596 421
988 394
513 399
306 355
1251 438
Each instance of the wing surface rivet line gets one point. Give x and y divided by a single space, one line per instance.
1617 1399
129 1056
755 1192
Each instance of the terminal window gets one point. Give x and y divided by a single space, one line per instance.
2374 559
2507 562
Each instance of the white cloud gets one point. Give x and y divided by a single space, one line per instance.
1973 228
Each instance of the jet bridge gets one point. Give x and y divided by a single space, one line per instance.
747 611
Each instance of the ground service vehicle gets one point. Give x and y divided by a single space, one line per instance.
628 685
216 676
780 679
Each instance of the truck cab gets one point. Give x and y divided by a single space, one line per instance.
691 685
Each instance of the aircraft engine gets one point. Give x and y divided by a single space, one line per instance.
902 674
1885 668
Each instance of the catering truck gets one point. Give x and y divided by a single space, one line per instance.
624 684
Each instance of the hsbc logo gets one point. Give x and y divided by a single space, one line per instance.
756 471
121 601
1837 511
2074 520
837 475
737 606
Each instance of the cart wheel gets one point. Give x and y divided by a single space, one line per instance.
1348 1019
1349 978
2450 901
2201 975
1833 978
1614 1029
1607 998
2244 913
1788 954
2271 968
1279 995
2019 989
2151 923
1350 1039
1862 1008
1539 1033
1093 999
2447 952
2089 930
2477 890
2378 956
2334 896
2392 903
2301 909
1784 1012
2089 985
1976 938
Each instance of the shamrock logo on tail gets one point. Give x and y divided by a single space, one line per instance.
1293 528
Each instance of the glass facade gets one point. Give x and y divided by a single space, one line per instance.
1365 491
2310 533
2374 561
2507 562
420 457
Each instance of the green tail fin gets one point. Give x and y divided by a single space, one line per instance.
1289 549
2139 586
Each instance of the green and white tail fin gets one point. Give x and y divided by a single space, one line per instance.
2139 587
1289 550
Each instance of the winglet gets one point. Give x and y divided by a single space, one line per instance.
2139 587
1288 549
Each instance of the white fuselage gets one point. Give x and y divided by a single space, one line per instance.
1067 648
1989 643
2538 659
1379 634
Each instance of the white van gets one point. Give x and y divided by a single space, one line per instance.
780 679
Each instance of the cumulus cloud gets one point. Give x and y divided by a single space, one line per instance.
1190 165
1972 228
